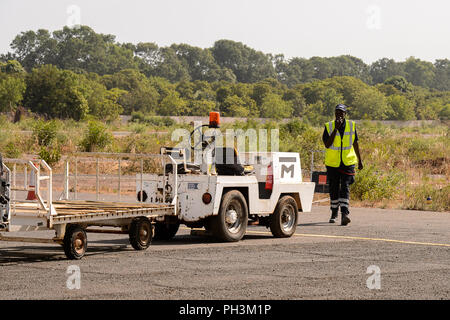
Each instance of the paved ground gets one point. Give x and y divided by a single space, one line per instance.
411 249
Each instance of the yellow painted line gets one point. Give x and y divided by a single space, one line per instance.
357 238
346 237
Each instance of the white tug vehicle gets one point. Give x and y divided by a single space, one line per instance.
227 191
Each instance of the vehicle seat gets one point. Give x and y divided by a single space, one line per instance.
180 168
228 164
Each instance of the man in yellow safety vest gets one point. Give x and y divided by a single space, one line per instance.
341 156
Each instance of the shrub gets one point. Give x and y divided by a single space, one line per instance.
371 184
139 117
51 155
11 150
96 137
45 132
416 198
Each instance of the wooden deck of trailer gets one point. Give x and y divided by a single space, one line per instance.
77 207
85 211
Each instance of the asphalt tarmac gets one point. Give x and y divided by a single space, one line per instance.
381 254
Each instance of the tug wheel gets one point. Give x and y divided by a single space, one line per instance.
283 222
231 222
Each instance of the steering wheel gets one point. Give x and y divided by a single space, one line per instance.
204 143
195 144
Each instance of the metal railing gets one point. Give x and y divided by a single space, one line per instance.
119 157
35 166
5 209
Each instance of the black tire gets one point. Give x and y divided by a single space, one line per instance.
140 233
283 222
165 231
231 222
75 242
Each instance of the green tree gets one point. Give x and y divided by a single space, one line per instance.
200 107
383 69
322 67
103 103
273 106
172 105
162 62
399 83
347 65
369 104
12 67
169 67
149 56
299 70
401 108
140 94
72 48
246 63
260 92
235 106
297 100
56 93
200 63
322 102
348 87
11 92
442 75
418 72
33 49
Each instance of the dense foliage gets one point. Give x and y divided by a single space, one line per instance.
403 165
76 72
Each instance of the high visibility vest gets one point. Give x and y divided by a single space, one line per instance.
341 145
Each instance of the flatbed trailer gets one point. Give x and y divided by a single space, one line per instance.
72 219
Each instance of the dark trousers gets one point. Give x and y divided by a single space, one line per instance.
339 190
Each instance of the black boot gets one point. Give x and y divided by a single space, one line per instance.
333 217
345 220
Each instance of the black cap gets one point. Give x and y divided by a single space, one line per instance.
341 107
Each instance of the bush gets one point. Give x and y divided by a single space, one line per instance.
416 198
295 127
96 137
51 155
371 184
419 149
139 117
11 150
45 132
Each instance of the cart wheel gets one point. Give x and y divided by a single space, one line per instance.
283 221
75 242
140 233
231 222
165 231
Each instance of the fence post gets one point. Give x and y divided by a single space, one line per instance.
142 185
120 196
66 180
76 179
96 180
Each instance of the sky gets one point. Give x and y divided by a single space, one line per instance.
367 29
